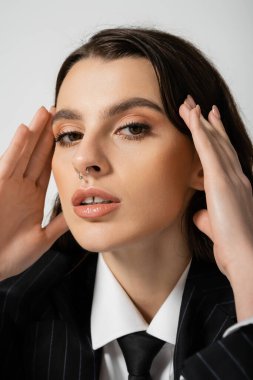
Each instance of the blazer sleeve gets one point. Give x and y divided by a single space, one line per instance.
228 358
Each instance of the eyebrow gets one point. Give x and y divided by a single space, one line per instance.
111 111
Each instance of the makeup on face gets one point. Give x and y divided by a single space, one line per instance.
110 116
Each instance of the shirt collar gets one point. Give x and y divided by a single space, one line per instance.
113 314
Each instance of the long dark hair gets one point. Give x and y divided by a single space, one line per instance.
181 69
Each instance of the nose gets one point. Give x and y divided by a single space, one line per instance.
90 155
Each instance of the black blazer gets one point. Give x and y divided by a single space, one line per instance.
45 324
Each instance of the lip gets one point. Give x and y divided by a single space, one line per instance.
93 210
81 194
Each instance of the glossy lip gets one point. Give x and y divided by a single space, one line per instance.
91 211
96 210
81 194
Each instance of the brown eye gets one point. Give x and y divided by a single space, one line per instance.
67 138
134 131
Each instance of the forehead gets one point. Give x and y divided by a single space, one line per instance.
98 80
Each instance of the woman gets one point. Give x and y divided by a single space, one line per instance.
155 187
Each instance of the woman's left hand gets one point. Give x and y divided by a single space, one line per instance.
228 220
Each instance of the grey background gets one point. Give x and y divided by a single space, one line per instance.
36 36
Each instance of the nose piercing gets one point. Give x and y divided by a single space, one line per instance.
86 173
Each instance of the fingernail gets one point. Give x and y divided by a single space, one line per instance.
216 111
52 109
189 100
198 109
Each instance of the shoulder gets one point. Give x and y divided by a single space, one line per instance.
211 290
208 302
19 294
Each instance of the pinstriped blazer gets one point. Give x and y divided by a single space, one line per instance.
45 324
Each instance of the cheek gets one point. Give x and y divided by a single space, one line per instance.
161 195
164 178
65 179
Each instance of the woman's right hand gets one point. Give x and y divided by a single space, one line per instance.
25 170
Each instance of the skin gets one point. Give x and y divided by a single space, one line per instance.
228 220
25 170
154 177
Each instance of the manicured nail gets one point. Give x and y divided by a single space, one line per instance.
190 101
52 109
198 109
216 111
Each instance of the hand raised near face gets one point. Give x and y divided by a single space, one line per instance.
228 220
25 170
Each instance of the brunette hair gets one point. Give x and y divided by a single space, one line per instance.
181 69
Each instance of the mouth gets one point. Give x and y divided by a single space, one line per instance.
93 203
95 200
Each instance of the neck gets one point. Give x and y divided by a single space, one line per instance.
149 271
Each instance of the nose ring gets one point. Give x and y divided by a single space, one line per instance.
86 173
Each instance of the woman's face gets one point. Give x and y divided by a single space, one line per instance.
113 114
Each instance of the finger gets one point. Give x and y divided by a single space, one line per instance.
210 147
10 158
44 177
190 101
201 220
214 114
40 154
36 127
192 117
52 110
215 121
55 229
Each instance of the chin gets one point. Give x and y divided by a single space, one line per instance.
97 247
99 243
98 236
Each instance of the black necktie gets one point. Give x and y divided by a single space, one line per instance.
139 350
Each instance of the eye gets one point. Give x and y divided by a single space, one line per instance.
134 131
67 138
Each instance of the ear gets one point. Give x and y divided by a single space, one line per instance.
197 177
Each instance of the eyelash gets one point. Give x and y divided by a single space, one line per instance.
145 131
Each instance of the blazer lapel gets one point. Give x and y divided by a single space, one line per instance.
57 338
207 310
75 296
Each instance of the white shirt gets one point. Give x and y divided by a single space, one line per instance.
113 315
